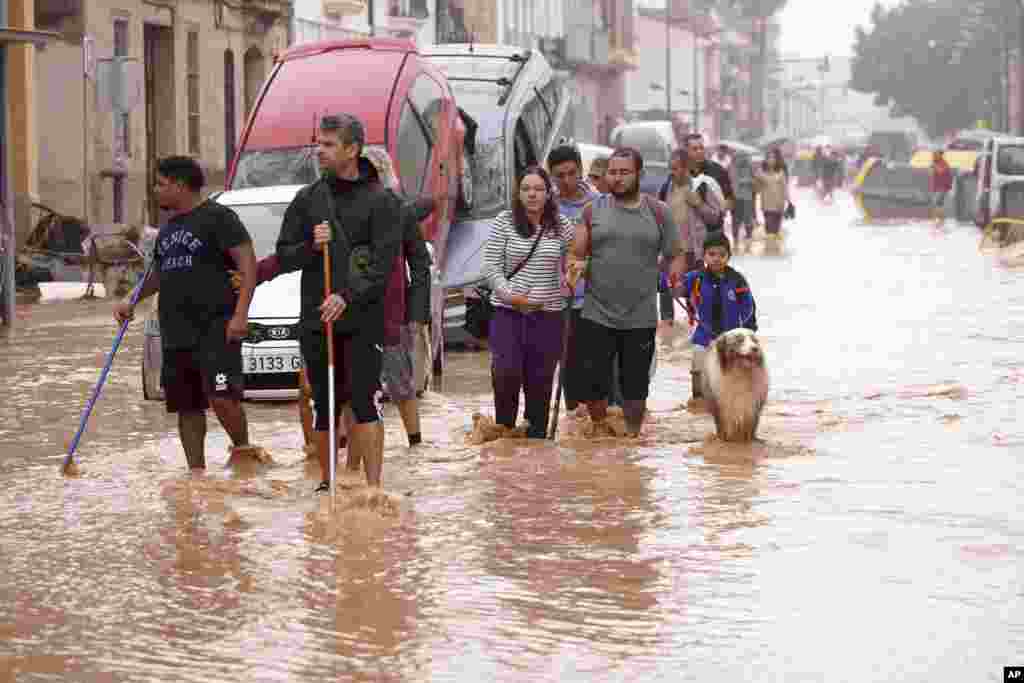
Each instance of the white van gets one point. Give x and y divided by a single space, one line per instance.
1000 191
655 142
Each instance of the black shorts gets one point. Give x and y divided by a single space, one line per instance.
212 369
357 368
600 346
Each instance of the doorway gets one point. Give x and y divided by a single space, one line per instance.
160 120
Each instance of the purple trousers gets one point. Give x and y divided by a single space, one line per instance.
525 348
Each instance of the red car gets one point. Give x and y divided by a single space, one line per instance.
403 100
409 112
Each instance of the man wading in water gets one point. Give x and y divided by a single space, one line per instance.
202 318
623 234
365 242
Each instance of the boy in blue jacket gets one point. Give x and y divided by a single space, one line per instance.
718 299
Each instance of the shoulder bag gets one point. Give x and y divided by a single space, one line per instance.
359 257
480 311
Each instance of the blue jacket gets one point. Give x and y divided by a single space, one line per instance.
703 290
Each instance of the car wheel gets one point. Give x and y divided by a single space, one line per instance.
465 185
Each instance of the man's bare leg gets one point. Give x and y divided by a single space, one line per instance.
353 459
598 410
634 412
410 414
305 409
323 448
192 431
366 443
231 415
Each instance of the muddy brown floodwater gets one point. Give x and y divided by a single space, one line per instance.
874 535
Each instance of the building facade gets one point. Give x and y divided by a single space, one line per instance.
818 100
19 42
7 248
315 20
195 68
588 42
678 72
600 51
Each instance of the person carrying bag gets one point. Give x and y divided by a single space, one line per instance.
528 302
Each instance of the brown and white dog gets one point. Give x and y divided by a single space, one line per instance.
735 383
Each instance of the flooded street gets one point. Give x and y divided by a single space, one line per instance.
875 534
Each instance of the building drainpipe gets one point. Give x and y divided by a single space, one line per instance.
668 59
696 84
7 241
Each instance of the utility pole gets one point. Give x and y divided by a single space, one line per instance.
668 59
696 86
822 70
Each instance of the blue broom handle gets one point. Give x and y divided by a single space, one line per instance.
106 368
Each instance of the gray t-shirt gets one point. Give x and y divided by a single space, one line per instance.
625 244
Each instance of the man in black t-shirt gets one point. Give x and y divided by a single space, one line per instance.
202 318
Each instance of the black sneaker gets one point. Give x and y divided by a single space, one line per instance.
324 487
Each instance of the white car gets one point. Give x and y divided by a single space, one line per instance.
271 358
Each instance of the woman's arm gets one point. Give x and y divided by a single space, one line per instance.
494 255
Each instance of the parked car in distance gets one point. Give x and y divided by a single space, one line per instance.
893 145
1000 191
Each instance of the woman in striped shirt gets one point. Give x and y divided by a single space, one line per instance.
523 259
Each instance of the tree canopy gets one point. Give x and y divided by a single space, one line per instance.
942 62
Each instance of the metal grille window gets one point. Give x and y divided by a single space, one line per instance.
122 123
192 67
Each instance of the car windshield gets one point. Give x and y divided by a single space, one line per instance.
966 144
263 221
267 167
292 166
479 84
1011 160
489 179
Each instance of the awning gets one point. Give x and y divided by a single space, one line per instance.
23 35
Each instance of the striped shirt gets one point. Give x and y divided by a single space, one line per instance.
540 279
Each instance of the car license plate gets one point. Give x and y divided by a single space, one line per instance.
271 362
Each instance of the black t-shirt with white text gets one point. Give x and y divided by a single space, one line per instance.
192 262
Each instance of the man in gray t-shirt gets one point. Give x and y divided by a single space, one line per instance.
623 234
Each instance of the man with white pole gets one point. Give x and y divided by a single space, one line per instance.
349 212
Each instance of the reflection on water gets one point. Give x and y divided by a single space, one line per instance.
874 529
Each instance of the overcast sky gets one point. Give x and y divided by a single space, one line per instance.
812 28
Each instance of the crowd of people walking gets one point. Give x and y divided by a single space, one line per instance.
579 270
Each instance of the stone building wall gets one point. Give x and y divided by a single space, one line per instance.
77 141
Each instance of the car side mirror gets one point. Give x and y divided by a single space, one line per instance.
422 208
